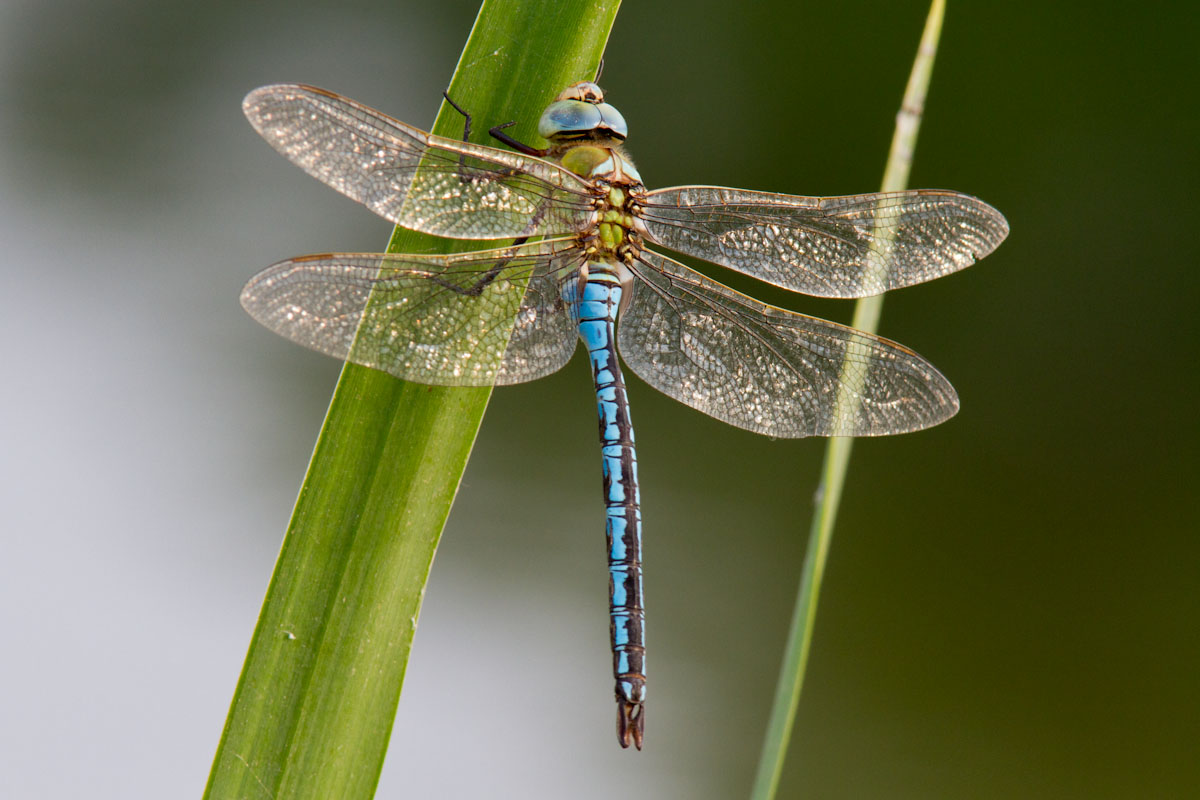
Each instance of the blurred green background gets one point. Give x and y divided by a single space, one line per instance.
1011 603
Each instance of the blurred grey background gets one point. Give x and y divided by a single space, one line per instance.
1011 603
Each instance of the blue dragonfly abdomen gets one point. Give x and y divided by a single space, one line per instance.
595 300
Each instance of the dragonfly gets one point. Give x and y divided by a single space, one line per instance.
577 266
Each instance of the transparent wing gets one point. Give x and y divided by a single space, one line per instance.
443 320
417 180
851 246
769 370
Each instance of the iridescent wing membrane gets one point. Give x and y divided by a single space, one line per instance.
491 317
417 180
853 246
770 370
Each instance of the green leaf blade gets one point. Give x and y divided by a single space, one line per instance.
318 694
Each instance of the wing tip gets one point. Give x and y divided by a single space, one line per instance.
993 226
256 100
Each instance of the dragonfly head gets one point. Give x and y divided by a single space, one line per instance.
579 112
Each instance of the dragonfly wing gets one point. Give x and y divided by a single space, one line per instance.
852 246
769 370
474 319
413 178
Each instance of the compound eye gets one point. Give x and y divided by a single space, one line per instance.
612 120
569 117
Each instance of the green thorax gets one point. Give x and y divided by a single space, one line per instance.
617 178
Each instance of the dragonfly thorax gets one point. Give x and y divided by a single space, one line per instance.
598 157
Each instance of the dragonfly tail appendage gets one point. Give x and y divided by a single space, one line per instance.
631 723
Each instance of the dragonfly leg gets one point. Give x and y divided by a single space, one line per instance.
498 134
485 280
462 159
466 116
